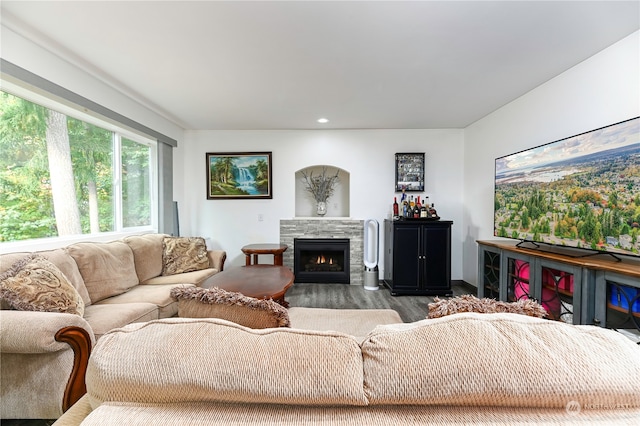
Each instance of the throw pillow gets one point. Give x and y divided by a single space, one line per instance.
470 303
198 302
35 284
183 254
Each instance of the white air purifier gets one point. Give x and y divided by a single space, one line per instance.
371 250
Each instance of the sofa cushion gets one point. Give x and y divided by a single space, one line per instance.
147 254
183 254
35 284
502 359
58 257
69 267
470 303
197 302
104 318
159 295
107 269
179 360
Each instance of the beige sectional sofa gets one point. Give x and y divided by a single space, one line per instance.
466 368
44 354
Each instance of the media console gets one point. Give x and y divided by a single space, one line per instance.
598 290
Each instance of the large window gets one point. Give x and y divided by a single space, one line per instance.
65 174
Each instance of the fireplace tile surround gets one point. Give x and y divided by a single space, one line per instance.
352 229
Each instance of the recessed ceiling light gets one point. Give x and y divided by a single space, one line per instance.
323 120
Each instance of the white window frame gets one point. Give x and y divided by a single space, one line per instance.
49 101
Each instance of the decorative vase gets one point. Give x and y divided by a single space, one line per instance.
321 208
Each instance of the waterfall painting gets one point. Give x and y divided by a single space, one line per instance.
236 175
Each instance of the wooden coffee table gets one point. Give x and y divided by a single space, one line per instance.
259 281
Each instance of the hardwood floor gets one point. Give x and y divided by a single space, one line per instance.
337 296
344 296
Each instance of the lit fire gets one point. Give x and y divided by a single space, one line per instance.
321 260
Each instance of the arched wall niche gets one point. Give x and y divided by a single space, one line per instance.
337 204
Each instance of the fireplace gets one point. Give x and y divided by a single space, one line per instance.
321 260
326 227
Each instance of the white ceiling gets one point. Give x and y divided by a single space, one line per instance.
362 64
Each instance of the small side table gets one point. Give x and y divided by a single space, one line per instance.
255 249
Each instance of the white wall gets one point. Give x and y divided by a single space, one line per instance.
368 155
36 59
602 90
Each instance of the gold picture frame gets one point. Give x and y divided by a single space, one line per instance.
239 175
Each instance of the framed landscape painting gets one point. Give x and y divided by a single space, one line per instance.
237 175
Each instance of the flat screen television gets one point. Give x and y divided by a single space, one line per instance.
581 192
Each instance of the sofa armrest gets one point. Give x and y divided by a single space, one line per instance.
34 332
24 332
75 415
217 259
80 341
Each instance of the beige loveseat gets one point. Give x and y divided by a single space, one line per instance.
44 354
466 368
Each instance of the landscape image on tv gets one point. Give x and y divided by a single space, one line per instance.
582 191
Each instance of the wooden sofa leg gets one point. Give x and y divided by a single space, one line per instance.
80 341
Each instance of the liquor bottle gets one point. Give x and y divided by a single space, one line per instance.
432 211
395 206
411 202
416 211
424 212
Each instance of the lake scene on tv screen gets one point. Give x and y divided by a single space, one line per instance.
582 191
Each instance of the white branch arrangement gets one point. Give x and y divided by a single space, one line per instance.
322 186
